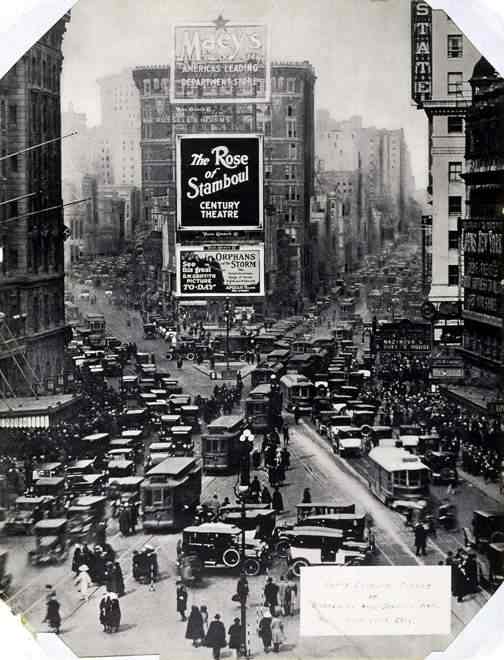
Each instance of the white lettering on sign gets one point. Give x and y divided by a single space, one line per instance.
421 49
222 45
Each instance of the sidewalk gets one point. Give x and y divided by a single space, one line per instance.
491 490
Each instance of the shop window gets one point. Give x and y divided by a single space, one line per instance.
454 204
455 124
453 275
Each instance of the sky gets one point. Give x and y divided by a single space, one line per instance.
360 50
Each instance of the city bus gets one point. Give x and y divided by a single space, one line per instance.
170 493
395 475
297 390
264 371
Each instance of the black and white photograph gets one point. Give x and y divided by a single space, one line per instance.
252 330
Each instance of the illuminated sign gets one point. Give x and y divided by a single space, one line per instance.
483 270
421 52
220 270
219 182
220 62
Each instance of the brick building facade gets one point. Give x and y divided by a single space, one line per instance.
32 331
287 125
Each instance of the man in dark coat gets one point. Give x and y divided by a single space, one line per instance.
265 496
255 487
420 539
77 560
104 612
235 636
53 616
265 631
242 589
277 501
471 572
271 595
181 600
124 521
216 637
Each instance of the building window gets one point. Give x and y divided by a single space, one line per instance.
291 84
290 111
454 171
280 83
453 240
291 128
293 151
454 204
455 48
455 124
267 171
454 82
155 84
147 86
453 275
13 115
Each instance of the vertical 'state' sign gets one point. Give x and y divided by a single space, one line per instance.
421 52
220 62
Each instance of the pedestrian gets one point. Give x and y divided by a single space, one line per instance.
195 629
104 612
114 578
286 435
151 561
181 600
271 595
235 636
420 539
216 637
292 590
242 589
77 559
471 573
306 496
265 496
277 632
277 501
124 521
297 414
255 487
53 617
282 591
264 631
84 582
114 613
204 617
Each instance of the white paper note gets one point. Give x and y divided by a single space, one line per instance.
375 600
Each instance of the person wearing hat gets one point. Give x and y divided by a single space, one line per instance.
114 613
264 630
53 617
77 559
195 630
181 599
216 637
84 582
152 566
104 611
235 636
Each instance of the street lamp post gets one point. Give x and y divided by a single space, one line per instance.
227 317
246 440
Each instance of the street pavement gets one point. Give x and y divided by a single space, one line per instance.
149 619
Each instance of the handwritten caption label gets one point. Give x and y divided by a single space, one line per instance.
375 600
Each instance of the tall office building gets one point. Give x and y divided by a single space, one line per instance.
443 60
32 325
287 125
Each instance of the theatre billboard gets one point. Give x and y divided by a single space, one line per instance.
220 270
220 62
219 182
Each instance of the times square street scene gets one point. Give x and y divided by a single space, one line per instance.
246 353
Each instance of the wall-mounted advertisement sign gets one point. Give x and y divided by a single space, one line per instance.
219 182
220 270
421 52
220 62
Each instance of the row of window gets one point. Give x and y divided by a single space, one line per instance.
44 73
8 114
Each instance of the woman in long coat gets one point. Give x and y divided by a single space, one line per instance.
277 633
104 612
278 501
83 581
115 580
235 636
265 631
194 629
53 616
114 613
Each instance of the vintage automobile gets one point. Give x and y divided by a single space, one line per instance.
217 544
84 515
149 330
348 441
52 487
52 469
124 453
312 546
50 542
125 490
87 484
495 555
120 468
442 465
27 512
5 578
487 527
259 518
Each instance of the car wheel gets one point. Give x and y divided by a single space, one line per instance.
282 547
497 537
190 356
252 567
298 565
231 558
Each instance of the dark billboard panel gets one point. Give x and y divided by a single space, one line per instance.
220 270
219 182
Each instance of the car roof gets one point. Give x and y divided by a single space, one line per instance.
214 528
